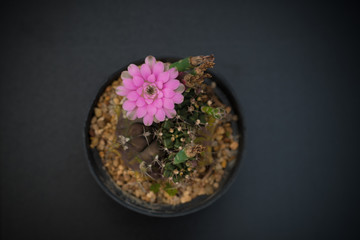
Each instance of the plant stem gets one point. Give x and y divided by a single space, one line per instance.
182 65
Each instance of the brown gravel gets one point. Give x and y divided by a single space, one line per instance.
202 181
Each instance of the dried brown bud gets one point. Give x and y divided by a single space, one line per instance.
192 150
197 60
191 109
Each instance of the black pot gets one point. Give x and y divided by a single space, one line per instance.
159 210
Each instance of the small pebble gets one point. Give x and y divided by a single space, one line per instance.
234 145
98 112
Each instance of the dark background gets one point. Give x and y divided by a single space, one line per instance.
294 67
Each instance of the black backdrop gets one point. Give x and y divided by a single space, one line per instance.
293 66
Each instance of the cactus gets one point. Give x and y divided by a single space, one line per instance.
170 150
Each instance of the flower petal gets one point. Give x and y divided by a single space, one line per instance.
145 71
170 113
150 61
149 100
138 81
172 84
131 115
180 89
122 91
168 103
140 102
166 66
125 74
134 70
158 103
168 93
141 111
128 83
178 98
173 73
129 105
139 91
151 109
158 68
160 115
132 96
164 77
151 78
148 119
159 84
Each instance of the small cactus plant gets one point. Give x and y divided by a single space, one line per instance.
166 128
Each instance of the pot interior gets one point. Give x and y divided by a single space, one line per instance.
114 191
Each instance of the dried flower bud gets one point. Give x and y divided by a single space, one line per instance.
171 130
191 109
176 172
191 150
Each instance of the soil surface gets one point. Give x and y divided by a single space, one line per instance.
204 180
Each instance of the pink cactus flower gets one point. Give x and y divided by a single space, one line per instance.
151 91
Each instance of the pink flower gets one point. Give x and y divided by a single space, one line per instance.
151 91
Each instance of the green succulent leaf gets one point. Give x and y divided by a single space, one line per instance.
180 157
182 65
